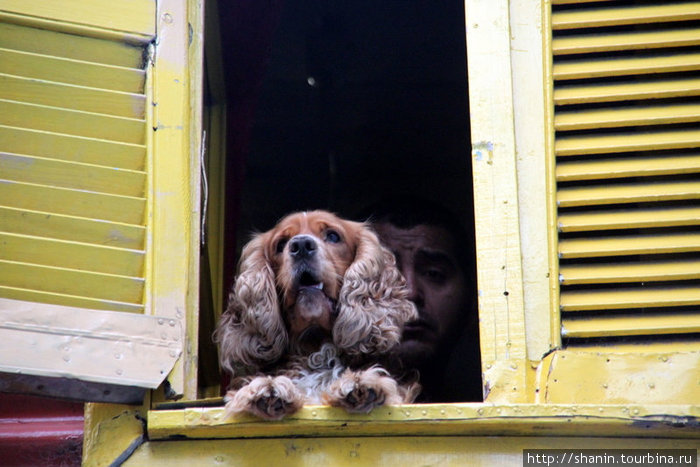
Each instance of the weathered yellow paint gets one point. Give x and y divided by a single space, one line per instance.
72 148
630 325
630 245
584 119
68 300
622 167
70 228
630 90
680 295
548 419
173 264
551 247
629 219
634 14
89 49
622 378
604 67
72 122
111 432
87 99
115 208
132 16
74 175
70 254
499 269
629 40
638 192
66 281
642 271
626 142
375 451
75 72
195 148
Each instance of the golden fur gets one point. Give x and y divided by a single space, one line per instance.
316 302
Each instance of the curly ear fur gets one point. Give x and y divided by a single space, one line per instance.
251 332
373 303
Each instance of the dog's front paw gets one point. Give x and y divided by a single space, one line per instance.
266 397
362 391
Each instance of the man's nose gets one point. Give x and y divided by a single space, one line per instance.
415 291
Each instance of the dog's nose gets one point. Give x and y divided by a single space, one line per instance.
302 246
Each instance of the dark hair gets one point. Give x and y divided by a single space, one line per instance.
407 212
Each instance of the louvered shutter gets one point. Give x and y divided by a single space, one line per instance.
80 303
72 163
627 148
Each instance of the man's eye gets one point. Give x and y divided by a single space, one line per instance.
281 244
435 275
332 236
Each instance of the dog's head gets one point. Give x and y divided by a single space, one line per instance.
313 277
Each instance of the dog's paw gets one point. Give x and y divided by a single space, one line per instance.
362 391
266 397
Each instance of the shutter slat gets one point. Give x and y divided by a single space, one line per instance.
627 167
631 90
666 243
635 14
28 295
626 325
628 193
626 116
67 96
629 219
616 66
45 42
116 208
72 148
70 71
71 282
78 229
70 255
128 16
72 122
643 271
626 142
37 170
614 299
593 43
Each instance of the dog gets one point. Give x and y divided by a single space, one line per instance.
316 303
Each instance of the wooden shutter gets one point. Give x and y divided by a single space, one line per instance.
81 269
72 163
627 145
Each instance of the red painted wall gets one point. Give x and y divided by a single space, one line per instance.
35 431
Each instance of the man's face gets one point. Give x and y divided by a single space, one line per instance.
426 257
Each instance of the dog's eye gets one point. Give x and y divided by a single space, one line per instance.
281 244
332 236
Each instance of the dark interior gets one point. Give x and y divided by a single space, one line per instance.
337 105
354 101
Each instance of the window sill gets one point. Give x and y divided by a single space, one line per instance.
468 419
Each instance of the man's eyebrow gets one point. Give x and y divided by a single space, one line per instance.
435 256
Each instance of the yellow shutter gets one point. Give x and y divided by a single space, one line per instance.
72 164
94 209
626 118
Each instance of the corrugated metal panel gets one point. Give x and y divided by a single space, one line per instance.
72 168
626 118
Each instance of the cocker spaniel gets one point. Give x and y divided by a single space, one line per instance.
316 303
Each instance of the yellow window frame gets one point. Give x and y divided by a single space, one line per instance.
516 248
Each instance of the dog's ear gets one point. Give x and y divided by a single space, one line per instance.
251 332
373 303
